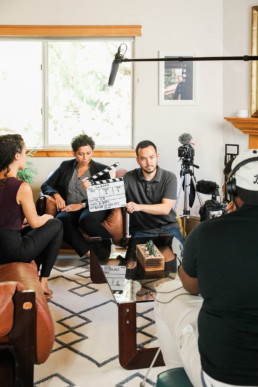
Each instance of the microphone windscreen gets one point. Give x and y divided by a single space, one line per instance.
206 187
185 138
113 73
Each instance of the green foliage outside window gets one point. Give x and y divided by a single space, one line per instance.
51 91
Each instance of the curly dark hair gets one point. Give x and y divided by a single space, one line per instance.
82 140
10 144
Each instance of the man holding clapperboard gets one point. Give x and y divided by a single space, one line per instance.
150 195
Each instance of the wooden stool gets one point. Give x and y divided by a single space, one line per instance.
175 377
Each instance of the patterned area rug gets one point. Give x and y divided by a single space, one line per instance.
85 353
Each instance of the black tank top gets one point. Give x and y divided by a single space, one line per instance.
11 214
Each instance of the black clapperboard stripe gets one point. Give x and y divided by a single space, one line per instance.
101 173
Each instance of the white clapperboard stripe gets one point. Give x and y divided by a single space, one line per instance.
101 173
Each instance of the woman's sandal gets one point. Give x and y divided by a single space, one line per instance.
48 294
48 297
48 291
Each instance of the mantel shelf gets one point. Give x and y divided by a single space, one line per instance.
248 126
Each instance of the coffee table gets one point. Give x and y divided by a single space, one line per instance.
130 287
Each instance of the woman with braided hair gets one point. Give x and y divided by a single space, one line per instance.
41 239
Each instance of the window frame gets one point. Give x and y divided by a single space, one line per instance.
65 31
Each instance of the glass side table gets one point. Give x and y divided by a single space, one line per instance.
130 284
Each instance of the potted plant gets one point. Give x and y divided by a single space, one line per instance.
27 173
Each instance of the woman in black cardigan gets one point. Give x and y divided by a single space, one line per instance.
65 186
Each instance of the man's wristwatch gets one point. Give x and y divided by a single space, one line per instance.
84 205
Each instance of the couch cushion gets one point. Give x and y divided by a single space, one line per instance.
50 205
27 275
114 223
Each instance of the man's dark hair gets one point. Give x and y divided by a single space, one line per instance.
82 140
145 144
10 144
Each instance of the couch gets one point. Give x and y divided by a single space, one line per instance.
26 326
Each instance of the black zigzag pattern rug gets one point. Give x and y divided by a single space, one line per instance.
85 353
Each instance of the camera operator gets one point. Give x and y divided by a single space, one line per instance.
220 262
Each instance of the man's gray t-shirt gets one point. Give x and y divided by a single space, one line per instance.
141 191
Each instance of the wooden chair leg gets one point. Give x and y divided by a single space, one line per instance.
23 337
7 366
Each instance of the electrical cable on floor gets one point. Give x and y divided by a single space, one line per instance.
142 384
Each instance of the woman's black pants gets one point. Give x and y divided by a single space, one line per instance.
40 244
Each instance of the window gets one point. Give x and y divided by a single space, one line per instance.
52 90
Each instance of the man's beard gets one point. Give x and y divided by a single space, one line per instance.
151 171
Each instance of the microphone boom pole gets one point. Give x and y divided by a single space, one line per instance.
193 59
119 58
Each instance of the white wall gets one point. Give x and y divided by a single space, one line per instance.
236 75
207 27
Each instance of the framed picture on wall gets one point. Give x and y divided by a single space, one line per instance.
177 79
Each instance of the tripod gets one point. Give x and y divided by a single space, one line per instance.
186 179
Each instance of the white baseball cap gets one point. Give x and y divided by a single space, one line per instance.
246 175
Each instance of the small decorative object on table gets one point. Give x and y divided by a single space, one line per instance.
150 257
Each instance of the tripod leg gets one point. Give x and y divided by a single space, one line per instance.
187 193
198 193
186 211
178 192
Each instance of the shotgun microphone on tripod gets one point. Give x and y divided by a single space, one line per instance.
206 187
185 138
186 150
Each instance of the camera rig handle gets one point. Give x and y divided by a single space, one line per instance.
195 166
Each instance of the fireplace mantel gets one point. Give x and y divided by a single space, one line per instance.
248 126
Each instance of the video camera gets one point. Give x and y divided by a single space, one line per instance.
186 151
211 208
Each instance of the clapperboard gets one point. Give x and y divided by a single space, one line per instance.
115 276
106 194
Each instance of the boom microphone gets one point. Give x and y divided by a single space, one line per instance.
206 187
114 69
185 138
115 65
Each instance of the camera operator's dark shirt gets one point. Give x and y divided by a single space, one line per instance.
223 254
141 191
